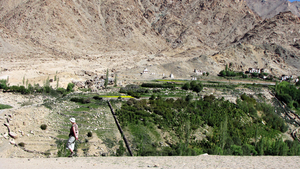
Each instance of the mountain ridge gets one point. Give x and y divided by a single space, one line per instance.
122 35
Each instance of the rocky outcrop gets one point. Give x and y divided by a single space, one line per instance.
10 133
270 8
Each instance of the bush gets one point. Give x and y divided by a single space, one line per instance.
81 100
158 85
89 134
61 90
188 98
186 86
21 144
4 106
43 126
153 97
97 98
3 84
70 87
121 149
248 99
209 98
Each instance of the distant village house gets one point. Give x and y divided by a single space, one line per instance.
145 71
199 72
253 70
171 76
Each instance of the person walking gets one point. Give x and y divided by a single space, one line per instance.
73 136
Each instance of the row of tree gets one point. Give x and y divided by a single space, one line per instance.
36 88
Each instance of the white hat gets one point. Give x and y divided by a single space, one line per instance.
72 120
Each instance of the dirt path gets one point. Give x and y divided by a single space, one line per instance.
194 162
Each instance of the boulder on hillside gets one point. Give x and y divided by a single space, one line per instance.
13 135
80 73
79 84
90 73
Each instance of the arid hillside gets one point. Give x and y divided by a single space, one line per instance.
44 38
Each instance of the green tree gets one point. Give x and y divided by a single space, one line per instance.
115 82
198 88
106 79
186 86
188 98
193 84
223 132
57 82
153 97
121 149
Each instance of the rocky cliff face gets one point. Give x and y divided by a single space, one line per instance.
214 24
138 33
270 8
280 36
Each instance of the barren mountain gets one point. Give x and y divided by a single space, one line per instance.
270 8
279 36
41 38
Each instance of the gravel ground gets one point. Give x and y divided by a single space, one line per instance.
194 162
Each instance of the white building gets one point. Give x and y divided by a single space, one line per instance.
145 71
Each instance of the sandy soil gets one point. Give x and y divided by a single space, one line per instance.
196 162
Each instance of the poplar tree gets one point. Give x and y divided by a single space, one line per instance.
106 79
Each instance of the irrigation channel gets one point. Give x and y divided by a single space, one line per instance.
120 129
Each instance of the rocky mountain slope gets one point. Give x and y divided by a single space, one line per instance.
280 35
42 38
270 8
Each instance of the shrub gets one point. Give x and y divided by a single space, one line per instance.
61 90
70 87
121 149
186 86
4 106
21 144
254 74
248 99
47 89
158 85
97 98
89 134
188 98
152 97
81 100
209 98
14 88
43 126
